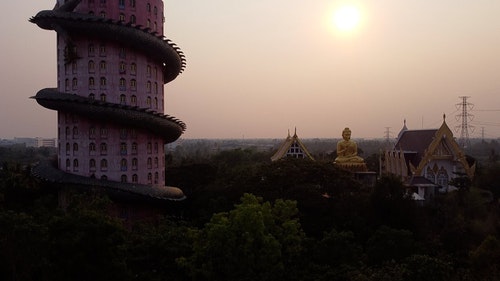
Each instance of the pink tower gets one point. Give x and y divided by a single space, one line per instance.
112 63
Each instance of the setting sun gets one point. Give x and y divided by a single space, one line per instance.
346 18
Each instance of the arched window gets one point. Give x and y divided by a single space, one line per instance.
104 165
91 66
132 19
92 148
75 165
133 100
148 7
134 148
123 148
102 14
91 97
133 84
75 132
121 17
103 97
104 148
91 50
156 87
135 178
156 178
123 164
68 164
66 84
68 131
149 148
150 178
156 162
148 102
92 165
156 103
156 147
150 163
102 66
123 178
102 50
104 177
103 82
75 83
75 147
133 68
104 132
123 85
92 133
68 148
135 162
91 83
148 23
123 67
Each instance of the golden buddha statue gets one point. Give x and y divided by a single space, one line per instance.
347 150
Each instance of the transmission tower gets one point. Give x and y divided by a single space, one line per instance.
388 134
464 117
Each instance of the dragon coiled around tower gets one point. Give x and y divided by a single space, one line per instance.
129 113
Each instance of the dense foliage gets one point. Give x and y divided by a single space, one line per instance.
249 219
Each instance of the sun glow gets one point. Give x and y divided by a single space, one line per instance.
346 18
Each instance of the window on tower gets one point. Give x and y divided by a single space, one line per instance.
92 148
103 82
102 50
133 68
123 148
104 148
75 165
123 164
91 82
91 50
123 87
91 66
135 163
104 165
123 67
102 66
92 165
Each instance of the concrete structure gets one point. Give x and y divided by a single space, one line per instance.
427 159
112 63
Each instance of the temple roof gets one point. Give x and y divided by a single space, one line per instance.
284 149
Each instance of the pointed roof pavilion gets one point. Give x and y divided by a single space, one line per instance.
292 147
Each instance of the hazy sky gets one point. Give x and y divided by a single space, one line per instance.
258 68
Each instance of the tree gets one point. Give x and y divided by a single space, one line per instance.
254 241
